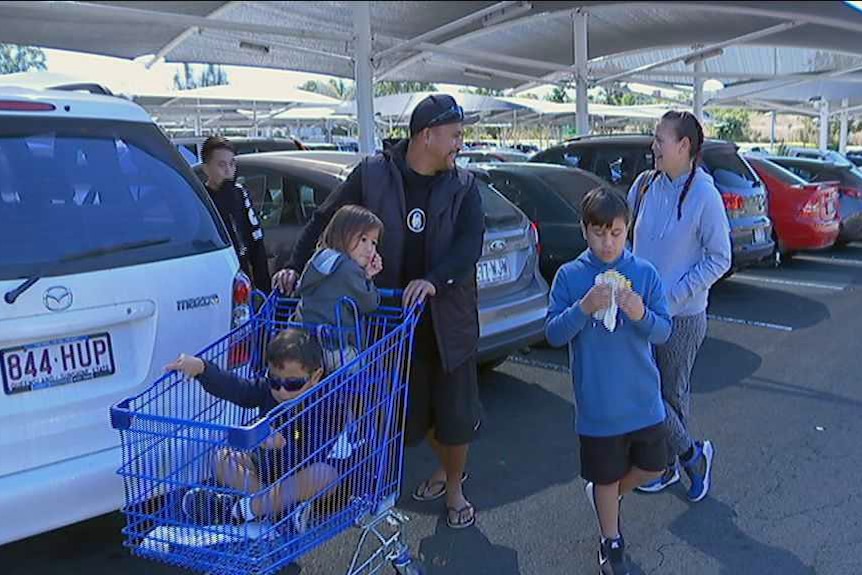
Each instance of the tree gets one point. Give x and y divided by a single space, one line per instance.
559 94
335 88
731 124
481 91
211 75
14 58
388 87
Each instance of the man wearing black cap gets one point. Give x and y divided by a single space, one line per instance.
432 239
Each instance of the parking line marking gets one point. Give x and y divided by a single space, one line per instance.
791 283
749 322
829 260
521 360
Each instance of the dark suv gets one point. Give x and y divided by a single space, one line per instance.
618 159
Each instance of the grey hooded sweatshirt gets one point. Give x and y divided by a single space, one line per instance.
329 276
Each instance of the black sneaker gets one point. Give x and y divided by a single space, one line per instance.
206 507
612 557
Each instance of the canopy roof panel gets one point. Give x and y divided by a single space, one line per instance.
492 44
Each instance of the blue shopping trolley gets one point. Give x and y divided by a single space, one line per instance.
172 433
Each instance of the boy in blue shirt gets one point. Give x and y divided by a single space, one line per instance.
609 307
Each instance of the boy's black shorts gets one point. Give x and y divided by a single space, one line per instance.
606 460
448 403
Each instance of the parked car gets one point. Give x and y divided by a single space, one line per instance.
479 155
191 148
551 197
849 180
111 250
817 154
855 158
286 188
619 159
804 215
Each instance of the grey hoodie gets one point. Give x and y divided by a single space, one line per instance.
329 276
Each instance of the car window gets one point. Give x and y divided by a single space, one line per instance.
305 196
617 165
550 156
84 195
498 212
574 157
780 173
540 202
267 194
803 173
727 169
849 177
570 185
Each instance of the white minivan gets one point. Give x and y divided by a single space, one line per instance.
112 261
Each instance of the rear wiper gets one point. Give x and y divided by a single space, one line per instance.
14 294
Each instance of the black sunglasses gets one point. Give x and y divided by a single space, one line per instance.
453 114
288 383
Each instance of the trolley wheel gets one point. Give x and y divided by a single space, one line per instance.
407 565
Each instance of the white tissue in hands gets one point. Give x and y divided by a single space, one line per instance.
617 281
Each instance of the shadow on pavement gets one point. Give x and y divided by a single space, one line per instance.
762 304
722 364
527 443
466 551
712 527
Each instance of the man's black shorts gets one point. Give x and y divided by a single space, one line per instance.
446 402
606 460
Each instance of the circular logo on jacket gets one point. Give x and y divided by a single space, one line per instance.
416 220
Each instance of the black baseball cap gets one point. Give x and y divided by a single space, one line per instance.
438 110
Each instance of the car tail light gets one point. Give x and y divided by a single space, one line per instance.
851 192
19 106
240 345
733 203
241 309
535 227
813 208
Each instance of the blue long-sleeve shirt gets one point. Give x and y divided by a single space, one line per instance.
691 253
615 378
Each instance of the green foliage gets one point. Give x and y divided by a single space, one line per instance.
731 124
14 58
559 94
191 77
387 87
482 91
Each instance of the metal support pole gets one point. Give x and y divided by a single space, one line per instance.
842 134
774 115
364 76
824 125
699 68
579 31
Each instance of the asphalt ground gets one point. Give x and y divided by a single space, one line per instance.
776 388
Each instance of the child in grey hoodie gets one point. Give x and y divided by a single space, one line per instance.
344 265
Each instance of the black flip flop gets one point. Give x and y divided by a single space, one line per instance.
421 492
459 514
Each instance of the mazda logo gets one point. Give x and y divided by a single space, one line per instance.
57 298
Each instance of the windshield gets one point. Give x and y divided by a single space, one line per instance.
70 187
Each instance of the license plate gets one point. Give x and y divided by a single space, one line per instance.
760 236
56 362
491 272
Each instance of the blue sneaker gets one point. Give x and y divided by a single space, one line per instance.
699 470
668 478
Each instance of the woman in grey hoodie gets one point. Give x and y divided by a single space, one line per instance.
682 229
344 265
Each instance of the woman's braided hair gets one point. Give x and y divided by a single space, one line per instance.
686 125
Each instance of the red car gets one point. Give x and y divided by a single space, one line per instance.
804 216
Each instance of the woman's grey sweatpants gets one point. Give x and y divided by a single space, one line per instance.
675 361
